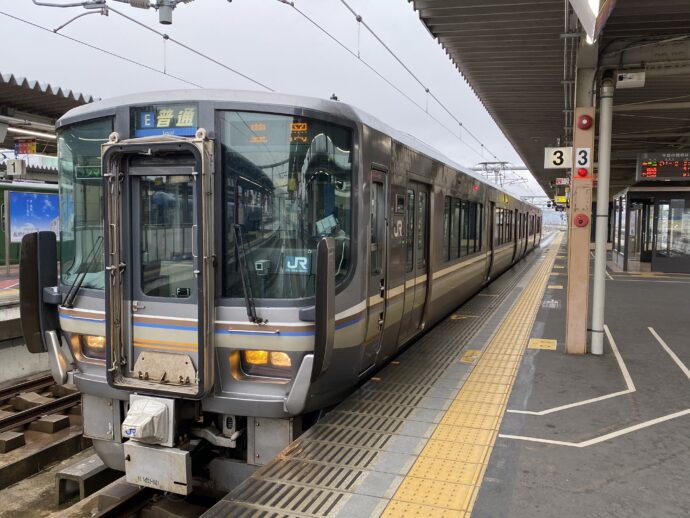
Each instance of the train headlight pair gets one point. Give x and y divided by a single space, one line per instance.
91 346
273 364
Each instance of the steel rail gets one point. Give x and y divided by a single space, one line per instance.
29 385
31 414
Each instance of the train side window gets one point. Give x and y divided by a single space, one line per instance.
399 204
455 230
409 238
446 227
421 230
480 216
471 228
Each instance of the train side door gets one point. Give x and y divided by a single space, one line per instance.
416 258
516 233
491 222
376 293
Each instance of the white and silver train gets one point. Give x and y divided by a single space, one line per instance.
233 263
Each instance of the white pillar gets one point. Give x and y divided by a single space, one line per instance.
602 216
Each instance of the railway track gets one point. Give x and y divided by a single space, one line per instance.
38 427
29 385
12 418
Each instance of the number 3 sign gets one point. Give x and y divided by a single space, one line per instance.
558 158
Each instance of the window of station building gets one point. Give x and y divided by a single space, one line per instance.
287 182
673 230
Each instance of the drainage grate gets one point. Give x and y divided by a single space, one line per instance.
293 499
306 473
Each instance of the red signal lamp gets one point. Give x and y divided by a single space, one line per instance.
584 122
582 172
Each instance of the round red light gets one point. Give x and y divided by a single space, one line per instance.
584 122
475 187
582 171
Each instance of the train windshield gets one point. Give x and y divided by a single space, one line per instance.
286 183
81 213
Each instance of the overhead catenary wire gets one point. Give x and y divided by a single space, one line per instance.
192 50
99 49
380 75
360 21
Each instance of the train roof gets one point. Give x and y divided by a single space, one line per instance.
337 108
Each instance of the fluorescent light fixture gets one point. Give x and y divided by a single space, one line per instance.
30 133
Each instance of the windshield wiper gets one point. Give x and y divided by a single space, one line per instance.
240 250
79 280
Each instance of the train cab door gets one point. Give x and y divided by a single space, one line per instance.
378 259
416 259
159 250
491 222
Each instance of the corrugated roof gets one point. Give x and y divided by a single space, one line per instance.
518 57
36 98
41 102
511 54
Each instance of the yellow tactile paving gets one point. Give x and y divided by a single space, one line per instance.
482 397
445 479
435 493
470 407
446 470
406 509
463 434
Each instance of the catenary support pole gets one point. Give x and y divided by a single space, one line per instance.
602 216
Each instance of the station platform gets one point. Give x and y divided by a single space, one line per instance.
486 416
416 439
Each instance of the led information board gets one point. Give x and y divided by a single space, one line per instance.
668 166
170 119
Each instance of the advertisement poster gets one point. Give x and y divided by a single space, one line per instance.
33 212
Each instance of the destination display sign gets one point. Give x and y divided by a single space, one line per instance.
667 166
168 119
269 132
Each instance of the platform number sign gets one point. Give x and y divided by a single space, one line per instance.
582 157
558 158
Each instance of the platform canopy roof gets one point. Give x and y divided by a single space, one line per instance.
521 56
33 106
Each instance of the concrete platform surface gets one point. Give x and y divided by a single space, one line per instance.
603 436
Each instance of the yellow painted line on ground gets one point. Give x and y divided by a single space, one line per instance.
445 479
542 343
457 316
559 267
470 356
555 287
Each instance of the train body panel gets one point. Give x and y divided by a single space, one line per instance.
412 236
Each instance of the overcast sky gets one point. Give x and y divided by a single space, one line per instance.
272 43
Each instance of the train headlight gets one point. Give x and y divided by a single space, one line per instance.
273 364
280 360
255 357
91 346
